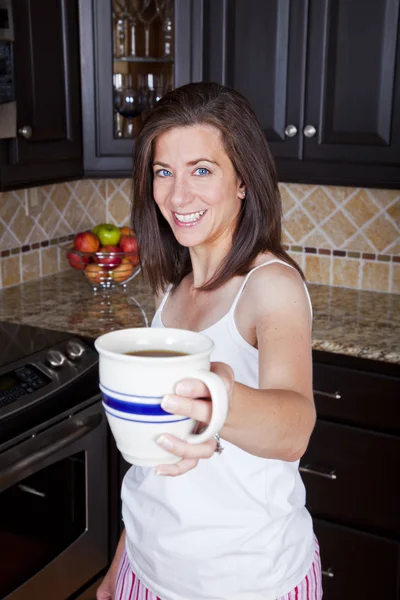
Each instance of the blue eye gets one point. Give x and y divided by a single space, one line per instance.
164 173
202 171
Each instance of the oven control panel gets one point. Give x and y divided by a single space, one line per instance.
44 374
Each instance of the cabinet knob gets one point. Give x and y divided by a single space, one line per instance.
309 131
291 131
25 131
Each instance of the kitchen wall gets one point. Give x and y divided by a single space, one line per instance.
340 236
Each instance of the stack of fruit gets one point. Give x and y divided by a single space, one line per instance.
107 255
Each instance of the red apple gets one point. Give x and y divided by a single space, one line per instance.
107 258
77 261
86 241
128 243
126 231
123 271
95 273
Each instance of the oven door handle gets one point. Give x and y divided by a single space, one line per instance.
23 460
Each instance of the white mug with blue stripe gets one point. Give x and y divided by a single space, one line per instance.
133 386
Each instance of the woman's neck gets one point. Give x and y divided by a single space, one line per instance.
206 262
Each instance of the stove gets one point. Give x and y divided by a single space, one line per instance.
55 468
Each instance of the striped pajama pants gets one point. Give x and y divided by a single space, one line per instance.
129 587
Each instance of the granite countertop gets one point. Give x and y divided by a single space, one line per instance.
350 322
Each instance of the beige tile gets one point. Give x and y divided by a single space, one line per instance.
317 239
30 265
395 278
375 276
72 214
346 272
9 205
319 205
298 225
102 188
286 238
338 229
299 190
394 249
288 201
97 208
49 258
361 208
84 190
384 197
60 195
63 264
36 234
318 268
394 212
49 218
360 244
8 240
10 270
118 209
340 193
382 233
22 226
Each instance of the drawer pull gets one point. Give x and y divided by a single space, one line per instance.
321 471
327 573
335 395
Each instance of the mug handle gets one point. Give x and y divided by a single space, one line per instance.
219 399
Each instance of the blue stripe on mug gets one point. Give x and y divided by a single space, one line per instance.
134 408
149 422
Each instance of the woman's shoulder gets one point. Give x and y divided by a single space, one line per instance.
275 284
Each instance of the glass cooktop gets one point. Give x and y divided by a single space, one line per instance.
21 341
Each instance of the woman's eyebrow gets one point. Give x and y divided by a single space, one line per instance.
191 163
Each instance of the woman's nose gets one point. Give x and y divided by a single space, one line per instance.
180 195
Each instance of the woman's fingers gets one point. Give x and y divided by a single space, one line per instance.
194 388
183 466
199 410
186 450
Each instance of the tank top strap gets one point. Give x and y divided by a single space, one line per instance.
165 298
268 262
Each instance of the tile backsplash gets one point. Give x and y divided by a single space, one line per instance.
340 236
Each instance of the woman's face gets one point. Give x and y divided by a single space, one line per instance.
195 185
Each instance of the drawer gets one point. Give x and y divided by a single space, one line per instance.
351 477
357 397
356 565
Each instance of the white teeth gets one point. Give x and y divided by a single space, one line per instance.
191 218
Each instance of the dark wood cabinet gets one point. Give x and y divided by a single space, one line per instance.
323 77
48 146
350 473
104 154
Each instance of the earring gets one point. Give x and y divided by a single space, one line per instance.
244 194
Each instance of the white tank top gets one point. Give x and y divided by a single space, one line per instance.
233 528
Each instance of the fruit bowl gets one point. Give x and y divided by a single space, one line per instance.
106 268
107 255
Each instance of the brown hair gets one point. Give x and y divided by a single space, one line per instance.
258 228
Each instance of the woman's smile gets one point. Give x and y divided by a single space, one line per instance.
188 219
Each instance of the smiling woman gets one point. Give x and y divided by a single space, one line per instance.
207 216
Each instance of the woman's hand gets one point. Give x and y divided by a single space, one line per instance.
190 400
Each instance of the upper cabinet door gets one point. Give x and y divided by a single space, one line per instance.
259 48
132 53
353 82
48 146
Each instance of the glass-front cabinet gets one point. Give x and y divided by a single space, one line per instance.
143 58
132 53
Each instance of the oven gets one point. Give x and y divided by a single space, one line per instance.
55 467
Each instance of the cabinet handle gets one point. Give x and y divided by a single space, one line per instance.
335 395
327 573
320 471
291 131
309 131
25 131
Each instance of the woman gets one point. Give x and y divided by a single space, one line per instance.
221 525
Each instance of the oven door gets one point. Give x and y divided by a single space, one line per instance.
54 509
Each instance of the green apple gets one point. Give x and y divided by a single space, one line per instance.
109 235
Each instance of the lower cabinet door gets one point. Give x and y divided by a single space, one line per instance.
357 565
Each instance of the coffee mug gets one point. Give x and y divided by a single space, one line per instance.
133 386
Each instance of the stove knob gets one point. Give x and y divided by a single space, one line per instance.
55 359
74 350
